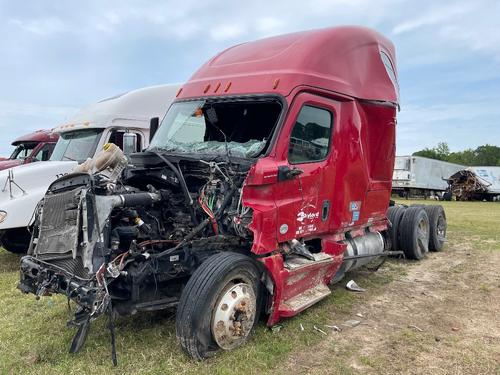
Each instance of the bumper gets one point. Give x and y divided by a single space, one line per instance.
42 278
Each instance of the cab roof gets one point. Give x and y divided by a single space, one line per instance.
350 60
37 136
132 109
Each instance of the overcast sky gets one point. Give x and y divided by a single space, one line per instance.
58 56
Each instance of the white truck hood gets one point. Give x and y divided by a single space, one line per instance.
22 187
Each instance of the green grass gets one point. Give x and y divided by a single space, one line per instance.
34 337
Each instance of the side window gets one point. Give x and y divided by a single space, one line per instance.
390 69
116 137
310 140
44 153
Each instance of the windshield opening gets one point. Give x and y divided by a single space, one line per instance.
239 127
22 151
77 145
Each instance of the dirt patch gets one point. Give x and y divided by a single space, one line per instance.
442 317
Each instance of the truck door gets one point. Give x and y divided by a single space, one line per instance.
306 173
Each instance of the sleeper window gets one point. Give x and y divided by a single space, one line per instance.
310 140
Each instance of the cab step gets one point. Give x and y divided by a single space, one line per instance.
307 298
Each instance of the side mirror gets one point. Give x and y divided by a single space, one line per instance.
129 143
154 124
287 173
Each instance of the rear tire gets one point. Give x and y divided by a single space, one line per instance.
15 240
395 214
220 305
414 233
437 227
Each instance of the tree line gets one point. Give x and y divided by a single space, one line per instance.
486 155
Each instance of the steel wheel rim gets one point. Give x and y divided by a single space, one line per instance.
234 315
441 228
423 236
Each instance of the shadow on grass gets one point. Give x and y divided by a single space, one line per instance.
8 262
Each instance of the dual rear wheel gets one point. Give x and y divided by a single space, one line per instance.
417 229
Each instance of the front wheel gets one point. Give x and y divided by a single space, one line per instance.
219 306
15 240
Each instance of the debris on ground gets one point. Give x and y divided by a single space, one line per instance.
353 287
352 323
334 328
301 327
276 328
416 328
320 330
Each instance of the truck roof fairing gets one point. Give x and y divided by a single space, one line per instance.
354 61
37 136
133 109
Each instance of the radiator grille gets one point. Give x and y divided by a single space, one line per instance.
59 223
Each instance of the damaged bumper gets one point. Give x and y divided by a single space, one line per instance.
42 278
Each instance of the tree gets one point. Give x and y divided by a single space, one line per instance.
486 155
440 152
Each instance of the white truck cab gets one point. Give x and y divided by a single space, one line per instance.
124 120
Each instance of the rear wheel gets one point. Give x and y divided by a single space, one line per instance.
219 306
437 227
15 240
394 214
414 232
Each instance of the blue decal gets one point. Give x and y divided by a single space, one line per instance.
355 216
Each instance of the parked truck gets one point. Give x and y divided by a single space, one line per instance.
268 179
417 176
29 148
123 120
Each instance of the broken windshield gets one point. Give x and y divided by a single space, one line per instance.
236 127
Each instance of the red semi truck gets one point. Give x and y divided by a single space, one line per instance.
36 146
268 179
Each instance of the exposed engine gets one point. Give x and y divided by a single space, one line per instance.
141 228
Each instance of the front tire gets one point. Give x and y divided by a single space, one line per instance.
220 305
15 240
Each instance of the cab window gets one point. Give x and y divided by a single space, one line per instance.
44 153
22 151
116 137
310 140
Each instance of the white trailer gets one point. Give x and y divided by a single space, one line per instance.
490 176
419 176
107 121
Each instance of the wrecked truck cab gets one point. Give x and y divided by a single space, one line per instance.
268 179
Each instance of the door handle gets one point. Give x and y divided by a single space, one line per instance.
287 173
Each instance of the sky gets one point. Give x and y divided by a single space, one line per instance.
58 56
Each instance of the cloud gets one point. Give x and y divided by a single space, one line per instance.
62 55
228 31
41 27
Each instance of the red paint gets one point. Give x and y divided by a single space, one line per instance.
339 70
40 138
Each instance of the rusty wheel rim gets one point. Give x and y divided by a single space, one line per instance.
234 315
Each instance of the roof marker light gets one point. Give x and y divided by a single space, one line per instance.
276 83
207 87
178 92
217 87
228 86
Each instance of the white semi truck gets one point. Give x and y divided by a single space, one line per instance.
124 120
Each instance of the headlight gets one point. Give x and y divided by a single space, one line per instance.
3 216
